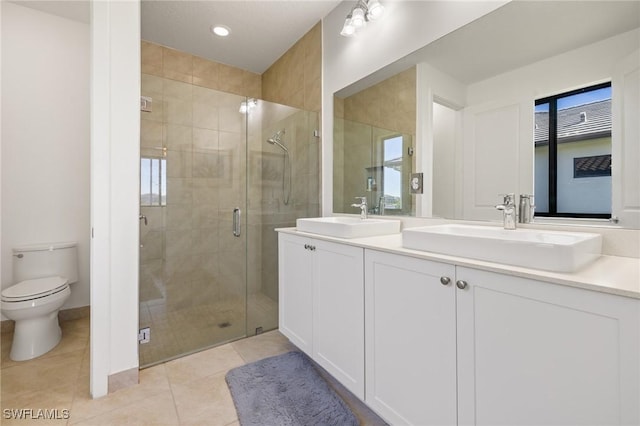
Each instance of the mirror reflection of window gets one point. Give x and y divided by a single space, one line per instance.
392 173
573 153
153 181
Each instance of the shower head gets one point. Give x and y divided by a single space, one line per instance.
276 140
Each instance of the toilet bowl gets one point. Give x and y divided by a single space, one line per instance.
44 273
34 306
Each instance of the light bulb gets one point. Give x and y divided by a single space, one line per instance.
348 29
357 17
375 10
220 30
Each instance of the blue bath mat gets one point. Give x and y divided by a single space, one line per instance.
286 390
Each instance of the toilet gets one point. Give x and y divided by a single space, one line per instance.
43 273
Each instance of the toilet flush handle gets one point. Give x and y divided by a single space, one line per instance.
19 255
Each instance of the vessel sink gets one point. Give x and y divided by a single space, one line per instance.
556 251
348 227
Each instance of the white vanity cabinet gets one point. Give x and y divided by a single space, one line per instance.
295 291
411 339
322 304
531 352
482 348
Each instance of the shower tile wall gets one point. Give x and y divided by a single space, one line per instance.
175 65
295 78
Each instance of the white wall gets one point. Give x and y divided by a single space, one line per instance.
405 27
115 191
45 136
444 150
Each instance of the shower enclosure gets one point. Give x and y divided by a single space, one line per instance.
213 187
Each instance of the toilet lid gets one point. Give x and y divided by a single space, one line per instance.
31 289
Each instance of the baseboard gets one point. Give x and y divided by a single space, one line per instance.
7 326
74 313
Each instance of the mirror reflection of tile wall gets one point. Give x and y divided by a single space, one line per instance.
362 122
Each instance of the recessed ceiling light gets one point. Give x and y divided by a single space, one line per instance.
220 30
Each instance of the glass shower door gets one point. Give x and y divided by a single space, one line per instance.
283 185
219 172
192 254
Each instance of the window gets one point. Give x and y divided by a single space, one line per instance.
572 140
153 181
392 173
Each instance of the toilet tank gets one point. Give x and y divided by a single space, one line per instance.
46 260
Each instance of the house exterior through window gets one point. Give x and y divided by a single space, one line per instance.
572 140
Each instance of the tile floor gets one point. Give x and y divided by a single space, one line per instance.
186 391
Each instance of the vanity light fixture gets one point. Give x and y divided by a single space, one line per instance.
363 12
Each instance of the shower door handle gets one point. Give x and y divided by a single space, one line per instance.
237 230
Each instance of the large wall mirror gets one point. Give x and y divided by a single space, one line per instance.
462 111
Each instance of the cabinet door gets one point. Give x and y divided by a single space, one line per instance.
410 339
541 354
338 301
295 291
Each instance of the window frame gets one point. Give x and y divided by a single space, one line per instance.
553 154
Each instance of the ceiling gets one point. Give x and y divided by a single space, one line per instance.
261 30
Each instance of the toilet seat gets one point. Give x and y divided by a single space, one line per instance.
34 289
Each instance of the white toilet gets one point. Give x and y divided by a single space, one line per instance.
43 273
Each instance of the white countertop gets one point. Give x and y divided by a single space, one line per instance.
609 274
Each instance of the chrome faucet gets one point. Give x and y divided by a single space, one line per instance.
508 208
526 208
363 206
381 205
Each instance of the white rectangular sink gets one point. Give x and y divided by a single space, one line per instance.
348 227
556 251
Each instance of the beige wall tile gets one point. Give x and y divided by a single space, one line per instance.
252 83
150 133
177 65
180 66
338 107
206 73
295 99
177 137
151 58
230 79
313 53
296 74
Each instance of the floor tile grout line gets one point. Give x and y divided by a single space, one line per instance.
173 397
